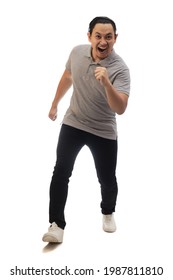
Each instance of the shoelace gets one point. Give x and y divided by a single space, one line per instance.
108 217
53 226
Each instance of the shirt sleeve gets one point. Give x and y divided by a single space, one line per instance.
68 63
122 81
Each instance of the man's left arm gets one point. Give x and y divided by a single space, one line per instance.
117 100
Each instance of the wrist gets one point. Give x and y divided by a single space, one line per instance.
54 104
108 86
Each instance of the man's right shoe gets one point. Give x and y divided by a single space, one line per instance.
109 223
54 234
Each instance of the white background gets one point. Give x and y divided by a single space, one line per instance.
36 38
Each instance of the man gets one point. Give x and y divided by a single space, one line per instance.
101 85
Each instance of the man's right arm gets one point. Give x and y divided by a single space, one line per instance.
63 86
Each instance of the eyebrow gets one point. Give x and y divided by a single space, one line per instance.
105 34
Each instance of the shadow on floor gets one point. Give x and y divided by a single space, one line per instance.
50 247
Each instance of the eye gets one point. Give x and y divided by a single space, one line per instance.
97 37
109 37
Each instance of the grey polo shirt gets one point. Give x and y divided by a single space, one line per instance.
89 109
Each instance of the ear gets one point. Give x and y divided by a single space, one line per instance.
116 35
89 36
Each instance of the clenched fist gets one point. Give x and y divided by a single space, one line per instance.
53 113
101 75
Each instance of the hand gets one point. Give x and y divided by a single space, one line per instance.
53 113
101 75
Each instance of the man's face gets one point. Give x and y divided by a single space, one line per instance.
102 40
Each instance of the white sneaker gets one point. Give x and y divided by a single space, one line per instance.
109 223
54 234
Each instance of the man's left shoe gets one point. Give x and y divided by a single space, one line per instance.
54 234
109 223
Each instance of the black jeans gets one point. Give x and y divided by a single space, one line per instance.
104 152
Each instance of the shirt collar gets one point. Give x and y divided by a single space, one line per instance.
104 62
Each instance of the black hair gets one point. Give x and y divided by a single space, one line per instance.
101 20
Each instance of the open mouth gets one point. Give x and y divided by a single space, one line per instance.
101 50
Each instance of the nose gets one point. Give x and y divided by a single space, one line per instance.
103 41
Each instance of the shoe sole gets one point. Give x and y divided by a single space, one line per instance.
51 239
